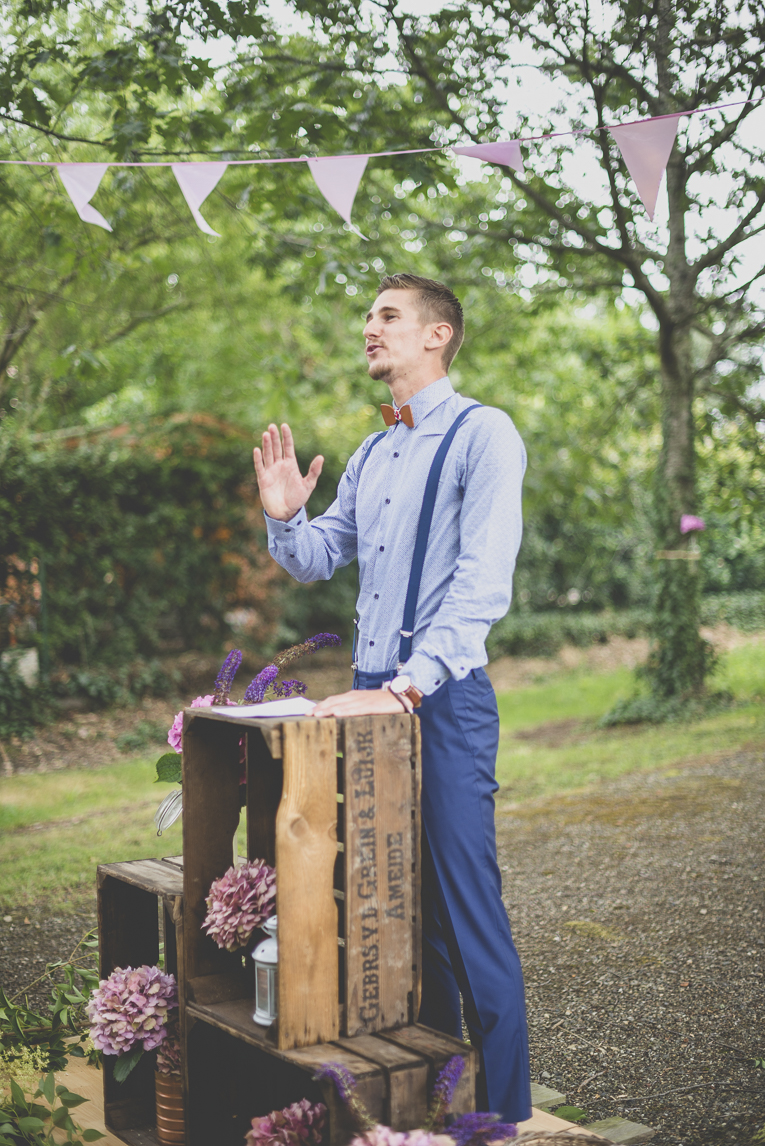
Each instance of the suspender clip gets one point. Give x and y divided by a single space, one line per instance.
405 634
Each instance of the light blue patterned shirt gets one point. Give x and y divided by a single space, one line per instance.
474 538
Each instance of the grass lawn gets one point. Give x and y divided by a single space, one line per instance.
55 827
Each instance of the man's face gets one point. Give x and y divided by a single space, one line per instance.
397 342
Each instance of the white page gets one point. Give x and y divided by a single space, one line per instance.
292 706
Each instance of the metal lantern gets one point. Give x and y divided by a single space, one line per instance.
266 956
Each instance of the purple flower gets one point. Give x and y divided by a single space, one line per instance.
169 1053
131 1007
691 524
226 676
480 1128
345 1085
443 1092
258 687
312 645
298 1125
290 688
175 732
239 902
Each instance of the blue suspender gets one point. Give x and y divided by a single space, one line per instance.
421 540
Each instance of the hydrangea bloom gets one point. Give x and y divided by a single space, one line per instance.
175 733
383 1136
298 1125
131 1007
169 1053
239 902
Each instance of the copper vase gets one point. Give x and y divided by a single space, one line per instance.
171 1128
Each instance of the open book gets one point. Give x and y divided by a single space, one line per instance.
292 706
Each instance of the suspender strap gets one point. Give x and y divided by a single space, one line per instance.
423 532
372 445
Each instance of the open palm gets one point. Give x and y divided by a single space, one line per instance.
283 489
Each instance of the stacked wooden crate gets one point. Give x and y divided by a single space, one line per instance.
334 805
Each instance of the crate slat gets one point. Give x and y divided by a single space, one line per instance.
437 1049
306 847
380 851
406 1074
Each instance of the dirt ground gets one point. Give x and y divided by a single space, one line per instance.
637 909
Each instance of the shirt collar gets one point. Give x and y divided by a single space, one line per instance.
426 400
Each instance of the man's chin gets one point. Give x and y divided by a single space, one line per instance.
380 371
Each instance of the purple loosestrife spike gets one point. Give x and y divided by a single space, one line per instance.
226 676
345 1085
480 1128
294 688
443 1092
312 645
258 687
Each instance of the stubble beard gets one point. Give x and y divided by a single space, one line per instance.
380 371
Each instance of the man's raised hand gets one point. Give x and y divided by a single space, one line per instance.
283 489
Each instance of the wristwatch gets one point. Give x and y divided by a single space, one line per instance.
402 687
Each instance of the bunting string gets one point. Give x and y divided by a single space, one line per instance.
644 145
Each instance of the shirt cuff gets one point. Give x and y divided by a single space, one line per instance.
281 528
426 673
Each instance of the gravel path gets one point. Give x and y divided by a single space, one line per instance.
638 912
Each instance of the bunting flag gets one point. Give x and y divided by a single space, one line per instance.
81 182
197 181
338 178
645 148
507 154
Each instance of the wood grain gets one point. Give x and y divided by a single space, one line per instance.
437 1049
406 1075
306 847
380 851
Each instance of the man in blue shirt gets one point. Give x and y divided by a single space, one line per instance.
432 509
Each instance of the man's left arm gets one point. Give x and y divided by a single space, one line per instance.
493 462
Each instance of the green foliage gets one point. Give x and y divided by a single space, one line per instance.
27 1121
21 707
53 1034
144 545
169 769
125 1063
141 735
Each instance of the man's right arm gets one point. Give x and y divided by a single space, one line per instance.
308 550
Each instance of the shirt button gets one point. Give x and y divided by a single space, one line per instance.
395 455
371 643
288 530
382 548
377 596
438 682
387 501
292 554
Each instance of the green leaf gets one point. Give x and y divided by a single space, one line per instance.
48 1088
169 769
60 1118
71 1100
30 1125
92 1135
126 1062
17 1095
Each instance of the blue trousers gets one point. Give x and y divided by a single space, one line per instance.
468 949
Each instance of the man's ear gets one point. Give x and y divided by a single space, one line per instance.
440 335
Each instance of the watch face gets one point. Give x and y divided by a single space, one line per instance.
400 683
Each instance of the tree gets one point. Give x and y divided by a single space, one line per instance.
696 275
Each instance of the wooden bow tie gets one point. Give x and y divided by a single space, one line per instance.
391 416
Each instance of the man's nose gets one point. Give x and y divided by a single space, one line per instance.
370 330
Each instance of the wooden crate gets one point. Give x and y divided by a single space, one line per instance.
334 805
139 908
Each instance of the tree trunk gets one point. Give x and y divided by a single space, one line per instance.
680 658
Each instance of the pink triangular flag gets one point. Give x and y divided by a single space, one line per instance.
81 182
338 178
645 149
507 153
196 181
